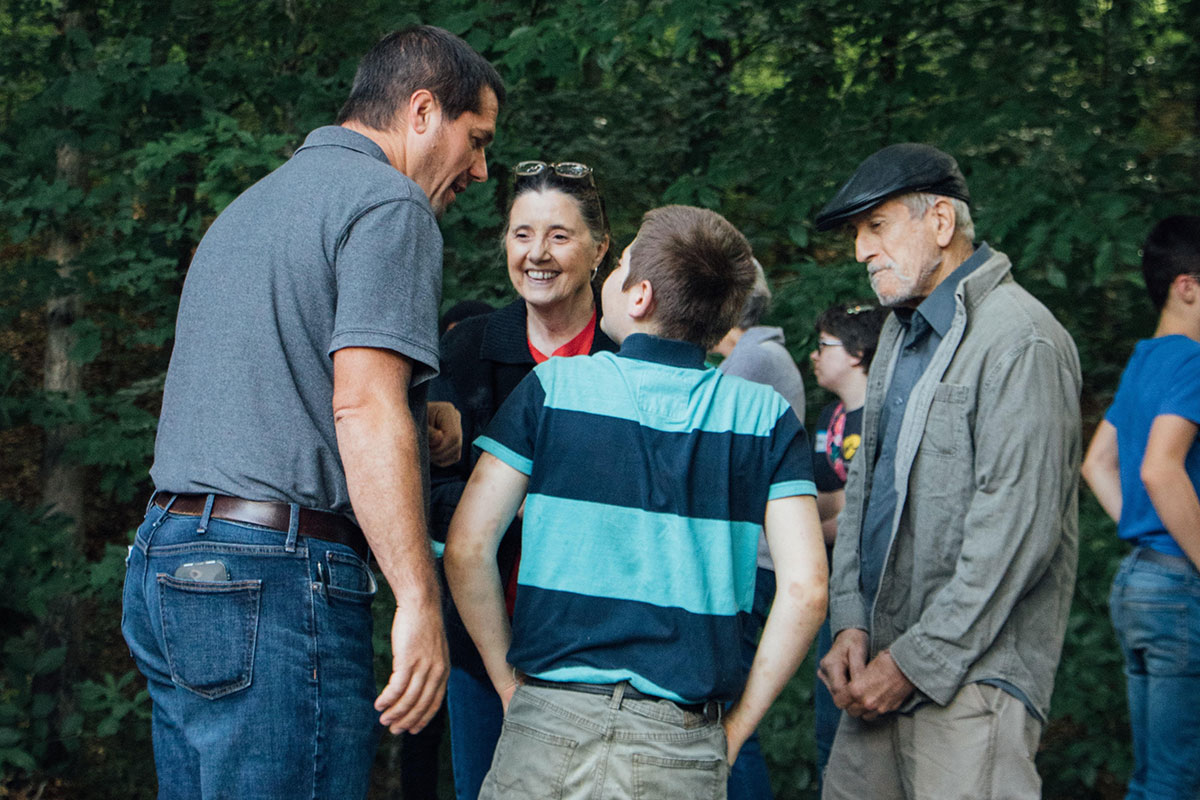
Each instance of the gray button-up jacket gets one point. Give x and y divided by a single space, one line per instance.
980 568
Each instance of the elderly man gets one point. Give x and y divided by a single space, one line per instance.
956 551
291 440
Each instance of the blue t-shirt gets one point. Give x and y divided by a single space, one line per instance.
1162 377
649 476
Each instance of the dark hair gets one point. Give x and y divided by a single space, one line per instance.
464 309
701 269
586 195
420 57
857 325
1171 249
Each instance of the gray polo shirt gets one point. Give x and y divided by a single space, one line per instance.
335 248
924 328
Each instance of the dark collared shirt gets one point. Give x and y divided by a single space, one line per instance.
924 328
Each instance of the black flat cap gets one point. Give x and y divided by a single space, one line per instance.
896 169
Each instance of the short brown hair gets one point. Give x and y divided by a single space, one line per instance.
701 269
420 57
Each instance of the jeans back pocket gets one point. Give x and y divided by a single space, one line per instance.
209 632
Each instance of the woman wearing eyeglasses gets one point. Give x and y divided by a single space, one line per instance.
846 339
556 243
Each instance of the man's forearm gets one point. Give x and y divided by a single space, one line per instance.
379 448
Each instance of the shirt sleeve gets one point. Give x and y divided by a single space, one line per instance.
1182 398
791 454
389 284
512 433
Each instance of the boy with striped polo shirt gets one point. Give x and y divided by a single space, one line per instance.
644 478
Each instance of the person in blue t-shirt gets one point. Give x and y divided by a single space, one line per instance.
643 477
1144 465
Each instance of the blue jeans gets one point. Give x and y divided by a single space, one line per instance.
1155 606
475 720
826 714
748 778
262 682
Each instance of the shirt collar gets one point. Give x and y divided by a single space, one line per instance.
337 136
672 352
938 308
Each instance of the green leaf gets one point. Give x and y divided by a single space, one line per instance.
798 233
1102 266
83 91
1056 277
18 758
42 705
49 660
87 341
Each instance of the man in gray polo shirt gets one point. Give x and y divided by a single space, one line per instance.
955 555
291 439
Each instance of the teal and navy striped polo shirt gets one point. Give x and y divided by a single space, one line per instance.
649 475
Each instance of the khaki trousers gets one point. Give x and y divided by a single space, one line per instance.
563 745
980 747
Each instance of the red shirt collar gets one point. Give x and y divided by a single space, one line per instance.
581 345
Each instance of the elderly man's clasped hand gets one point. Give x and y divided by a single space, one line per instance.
863 689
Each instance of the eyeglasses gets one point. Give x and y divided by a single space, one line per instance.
563 169
823 343
852 310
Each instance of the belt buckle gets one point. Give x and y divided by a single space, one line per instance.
714 710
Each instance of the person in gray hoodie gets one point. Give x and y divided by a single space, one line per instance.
956 551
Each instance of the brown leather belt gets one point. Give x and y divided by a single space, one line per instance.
315 524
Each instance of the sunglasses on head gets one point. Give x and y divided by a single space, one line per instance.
563 169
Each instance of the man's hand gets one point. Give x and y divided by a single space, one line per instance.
846 659
445 433
420 667
878 689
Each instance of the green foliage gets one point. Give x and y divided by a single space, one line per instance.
1075 122
1087 742
48 722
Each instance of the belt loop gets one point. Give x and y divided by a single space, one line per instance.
208 504
617 696
293 527
165 510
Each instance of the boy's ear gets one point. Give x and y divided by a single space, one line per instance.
1187 287
640 298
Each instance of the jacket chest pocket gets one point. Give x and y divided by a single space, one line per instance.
947 428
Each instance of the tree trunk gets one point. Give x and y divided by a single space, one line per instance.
63 480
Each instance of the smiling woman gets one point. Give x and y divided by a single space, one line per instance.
555 244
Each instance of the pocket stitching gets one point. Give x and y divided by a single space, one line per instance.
252 588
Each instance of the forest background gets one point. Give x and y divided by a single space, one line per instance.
127 126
